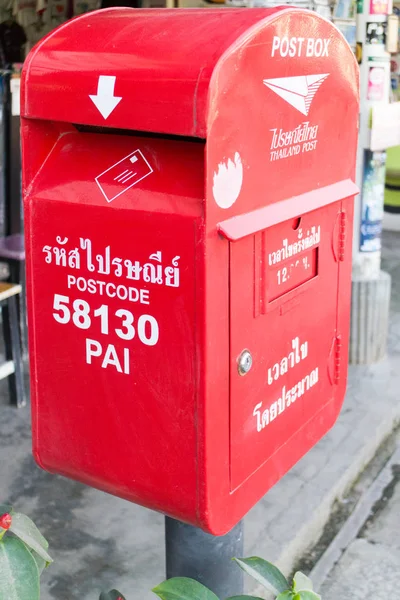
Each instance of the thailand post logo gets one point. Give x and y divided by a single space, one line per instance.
299 92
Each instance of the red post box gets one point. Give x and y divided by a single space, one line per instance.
188 187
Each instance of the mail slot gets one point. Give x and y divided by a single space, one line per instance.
188 187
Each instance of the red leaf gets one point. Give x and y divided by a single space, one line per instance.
5 521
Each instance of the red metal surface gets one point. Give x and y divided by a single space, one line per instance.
162 61
153 261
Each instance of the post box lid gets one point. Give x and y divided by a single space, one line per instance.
135 69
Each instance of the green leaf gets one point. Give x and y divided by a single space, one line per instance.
113 595
264 572
26 530
301 582
19 575
288 595
308 595
183 588
40 562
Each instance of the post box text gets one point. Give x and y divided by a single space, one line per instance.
292 47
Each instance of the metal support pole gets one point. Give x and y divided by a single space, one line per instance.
190 552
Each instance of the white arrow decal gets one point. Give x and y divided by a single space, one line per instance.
105 101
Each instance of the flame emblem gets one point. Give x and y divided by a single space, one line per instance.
227 181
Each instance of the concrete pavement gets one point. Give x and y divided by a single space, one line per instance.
370 566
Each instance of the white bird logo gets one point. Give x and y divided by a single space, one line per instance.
299 91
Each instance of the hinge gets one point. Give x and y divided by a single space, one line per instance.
337 359
342 235
259 274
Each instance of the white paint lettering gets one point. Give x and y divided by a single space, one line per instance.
110 290
290 143
144 297
284 49
154 271
286 399
292 47
310 47
122 292
126 361
81 284
276 42
82 313
309 146
318 48
71 280
299 47
298 352
111 358
103 288
133 294
311 239
93 348
148 330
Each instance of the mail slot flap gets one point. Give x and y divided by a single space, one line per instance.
145 70
118 171
238 227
